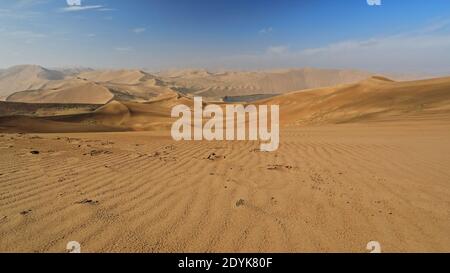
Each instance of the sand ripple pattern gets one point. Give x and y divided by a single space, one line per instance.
326 189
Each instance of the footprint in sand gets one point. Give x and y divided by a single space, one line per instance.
273 201
214 156
279 167
240 202
87 202
99 152
73 160
25 212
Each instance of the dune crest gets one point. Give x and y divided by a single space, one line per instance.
26 77
130 77
376 98
83 93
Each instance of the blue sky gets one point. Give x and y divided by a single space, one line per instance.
411 36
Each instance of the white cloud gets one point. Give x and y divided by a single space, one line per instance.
28 34
436 26
22 34
421 50
139 30
266 30
81 8
123 49
277 50
19 4
18 14
106 9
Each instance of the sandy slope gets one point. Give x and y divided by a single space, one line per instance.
326 189
88 93
129 77
26 77
372 99
8 109
113 116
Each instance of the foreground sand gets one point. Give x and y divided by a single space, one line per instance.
327 189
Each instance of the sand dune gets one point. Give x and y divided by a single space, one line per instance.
87 93
374 166
40 85
140 86
146 91
132 116
8 109
223 84
376 98
26 77
113 116
73 71
129 77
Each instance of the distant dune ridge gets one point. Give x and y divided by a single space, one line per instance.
34 84
139 86
128 77
204 83
26 77
137 101
83 93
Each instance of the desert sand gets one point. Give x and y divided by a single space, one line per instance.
326 189
357 162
